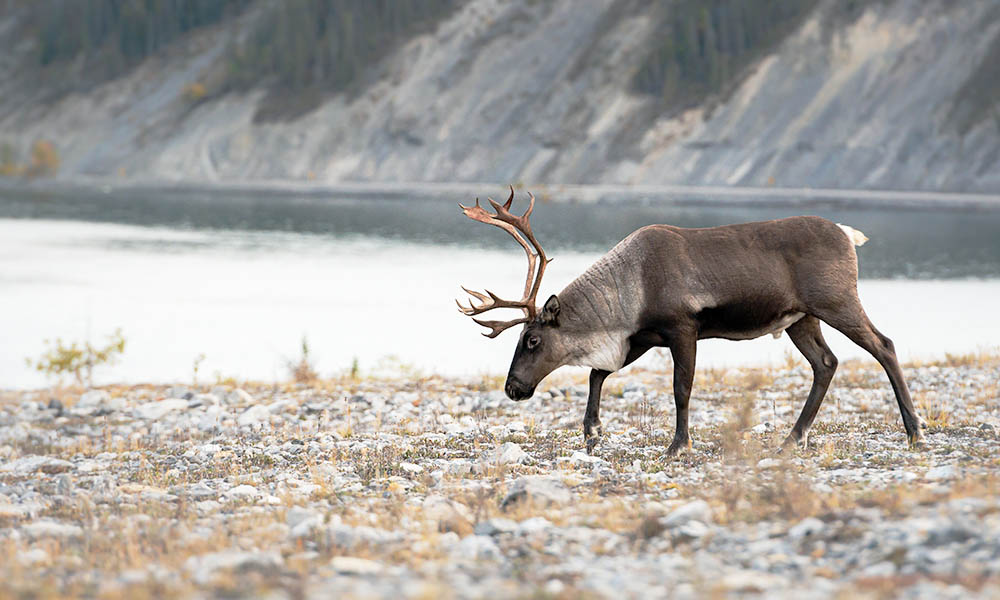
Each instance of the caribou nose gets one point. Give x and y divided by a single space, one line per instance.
517 390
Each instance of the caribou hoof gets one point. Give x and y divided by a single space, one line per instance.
592 433
917 441
791 443
678 445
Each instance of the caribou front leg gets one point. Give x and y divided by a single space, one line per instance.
682 350
592 429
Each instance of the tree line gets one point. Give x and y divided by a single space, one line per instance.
294 43
701 46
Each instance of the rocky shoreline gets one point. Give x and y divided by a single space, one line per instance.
444 488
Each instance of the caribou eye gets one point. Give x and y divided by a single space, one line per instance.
532 342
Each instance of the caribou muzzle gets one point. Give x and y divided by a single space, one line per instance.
518 390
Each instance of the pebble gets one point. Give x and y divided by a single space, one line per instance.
698 510
806 528
352 565
157 410
941 473
509 453
536 490
254 416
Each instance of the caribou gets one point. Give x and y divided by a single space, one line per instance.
666 286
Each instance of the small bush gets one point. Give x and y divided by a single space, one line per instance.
302 371
193 92
44 159
8 161
78 360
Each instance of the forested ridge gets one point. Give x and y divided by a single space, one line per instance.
704 45
891 94
318 46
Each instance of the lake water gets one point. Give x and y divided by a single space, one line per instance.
242 278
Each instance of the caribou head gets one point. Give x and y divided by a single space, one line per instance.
537 353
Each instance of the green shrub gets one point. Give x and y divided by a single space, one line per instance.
78 360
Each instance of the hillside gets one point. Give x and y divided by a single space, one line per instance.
898 94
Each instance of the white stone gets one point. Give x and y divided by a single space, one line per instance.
509 453
411 468
537 490
206 566
33 464
35 556
476 547
459 468
156 410
48 528
240 396
750 581
534 525
243 492
808 527
93 398
691 530
495 526
880 569
297 516
697 510
351 565
253 416
941 473
768 463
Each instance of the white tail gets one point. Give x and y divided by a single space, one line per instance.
854 235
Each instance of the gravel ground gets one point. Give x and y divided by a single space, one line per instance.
430 487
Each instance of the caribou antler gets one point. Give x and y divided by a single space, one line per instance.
520 228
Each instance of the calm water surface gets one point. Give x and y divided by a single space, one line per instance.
242 278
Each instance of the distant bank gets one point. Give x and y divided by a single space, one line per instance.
562 193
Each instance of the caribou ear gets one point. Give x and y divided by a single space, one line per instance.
550 312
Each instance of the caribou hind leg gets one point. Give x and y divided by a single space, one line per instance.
854 323
808 338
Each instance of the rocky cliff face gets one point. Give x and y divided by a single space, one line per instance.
896 96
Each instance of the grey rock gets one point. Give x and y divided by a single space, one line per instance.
809 527
64 485
941 473
33 464
157 410
302 522
509 453
203 568
44 528
690 530
242 492
351 565
254 416
697 510
496 526
537 490
477 548
880 569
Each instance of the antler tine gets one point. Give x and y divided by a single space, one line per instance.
488 301
499 327
480 297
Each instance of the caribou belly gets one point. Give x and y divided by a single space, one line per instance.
774 328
